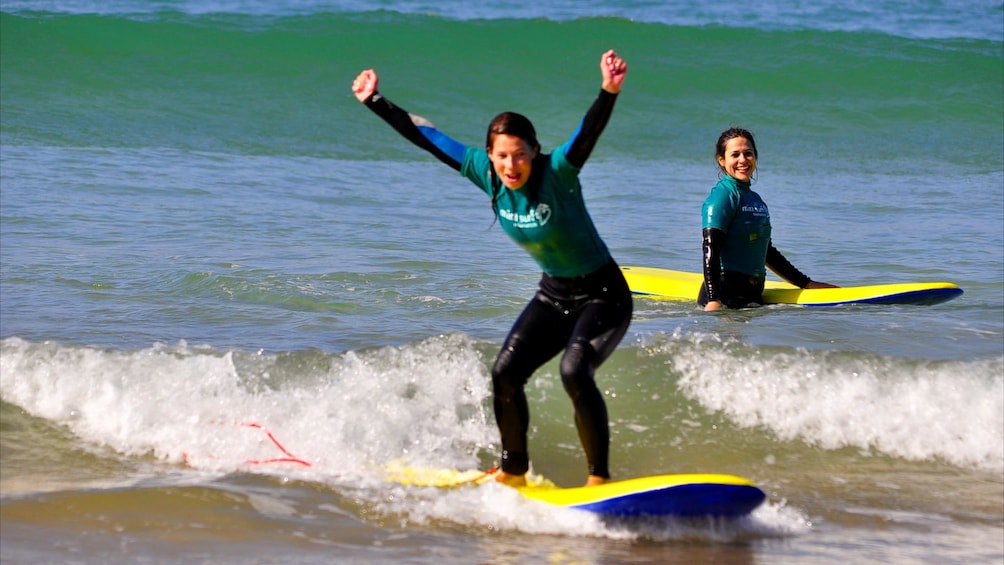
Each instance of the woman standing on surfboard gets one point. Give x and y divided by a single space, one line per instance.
583 304
736 228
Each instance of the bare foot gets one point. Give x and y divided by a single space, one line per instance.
511 480
594 480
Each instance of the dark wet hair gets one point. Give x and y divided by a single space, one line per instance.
511 123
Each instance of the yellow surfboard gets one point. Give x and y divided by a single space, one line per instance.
665 284
681 495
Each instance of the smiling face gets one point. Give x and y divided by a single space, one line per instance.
512 158
739 159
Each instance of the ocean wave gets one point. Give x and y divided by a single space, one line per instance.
950 411
430 400
923 18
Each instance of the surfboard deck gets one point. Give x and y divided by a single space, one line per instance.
666 284
678 495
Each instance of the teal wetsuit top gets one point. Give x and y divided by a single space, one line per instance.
740 213
547 216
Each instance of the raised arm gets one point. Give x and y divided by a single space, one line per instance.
414 128
614 70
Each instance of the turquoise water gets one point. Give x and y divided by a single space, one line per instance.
201 228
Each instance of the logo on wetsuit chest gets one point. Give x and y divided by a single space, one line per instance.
535 218
760 226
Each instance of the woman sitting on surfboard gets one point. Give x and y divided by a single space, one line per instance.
736 229
583 305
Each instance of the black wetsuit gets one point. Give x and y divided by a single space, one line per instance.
583 305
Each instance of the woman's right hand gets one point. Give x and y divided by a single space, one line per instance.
713 306
365 84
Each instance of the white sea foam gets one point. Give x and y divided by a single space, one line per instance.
951 411
341 424
193 403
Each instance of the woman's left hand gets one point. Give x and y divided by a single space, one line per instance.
818 284
614 70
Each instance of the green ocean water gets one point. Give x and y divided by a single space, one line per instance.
276 85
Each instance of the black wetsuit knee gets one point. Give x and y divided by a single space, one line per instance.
507 378
577 368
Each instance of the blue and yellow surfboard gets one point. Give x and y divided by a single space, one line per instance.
665 284
679 495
